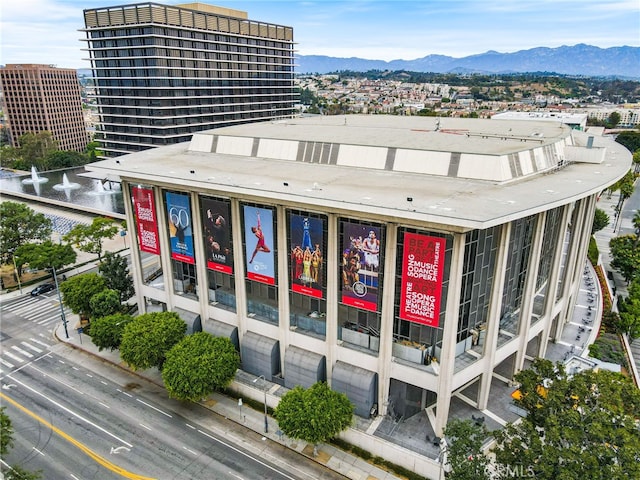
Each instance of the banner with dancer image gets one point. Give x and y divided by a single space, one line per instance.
306 262
422 273
180 231
360 265
146 223
216 231
258 238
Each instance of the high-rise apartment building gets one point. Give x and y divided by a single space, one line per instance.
164 72
41 98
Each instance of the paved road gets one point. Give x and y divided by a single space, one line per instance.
78 418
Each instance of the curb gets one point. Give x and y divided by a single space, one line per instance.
202 405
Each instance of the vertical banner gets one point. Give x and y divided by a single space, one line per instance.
258 237
306 263
422 272
217 235
180 231
360 265
146 223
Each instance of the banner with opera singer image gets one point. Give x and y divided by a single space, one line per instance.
180 231
422 272
306 257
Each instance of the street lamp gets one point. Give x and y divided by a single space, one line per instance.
62 315
266 422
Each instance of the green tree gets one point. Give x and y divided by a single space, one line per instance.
315 414
35 147
6 442
88 238
45 255
636 223
629 308
106 332
636 161
630 139
6 432
580 426
10 157
199 365
115 271
65 159
106 302
16 472
92 151
600 221
625 252
613 120
630 320
20 224
146 340
78 290
464 453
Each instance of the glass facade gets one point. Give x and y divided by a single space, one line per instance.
516 270
163 73
415 342
553 229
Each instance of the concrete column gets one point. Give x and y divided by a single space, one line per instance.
200 255
386 326
448 352
238 268
552 283
529 290
165 247
333 266
134 247
493 318
282 267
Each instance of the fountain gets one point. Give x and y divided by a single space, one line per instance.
66 185
35 178
100 190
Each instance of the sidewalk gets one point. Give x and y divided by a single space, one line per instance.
617 284
268 445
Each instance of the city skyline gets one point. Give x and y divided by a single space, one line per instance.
380 30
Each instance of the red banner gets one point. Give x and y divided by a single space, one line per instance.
422 272
147 226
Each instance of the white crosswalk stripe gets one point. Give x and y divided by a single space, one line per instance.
6 364
13 357
31 347
21 351
35 340
46 320
32 309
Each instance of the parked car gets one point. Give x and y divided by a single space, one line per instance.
44 288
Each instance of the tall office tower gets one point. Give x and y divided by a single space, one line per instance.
164 72
41 98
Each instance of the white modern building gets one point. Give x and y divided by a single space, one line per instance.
400 259
577 121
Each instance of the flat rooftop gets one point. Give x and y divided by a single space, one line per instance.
456 174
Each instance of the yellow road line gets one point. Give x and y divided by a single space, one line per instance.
101 460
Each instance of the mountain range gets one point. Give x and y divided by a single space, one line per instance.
581 59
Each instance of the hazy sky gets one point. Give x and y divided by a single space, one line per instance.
46 31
